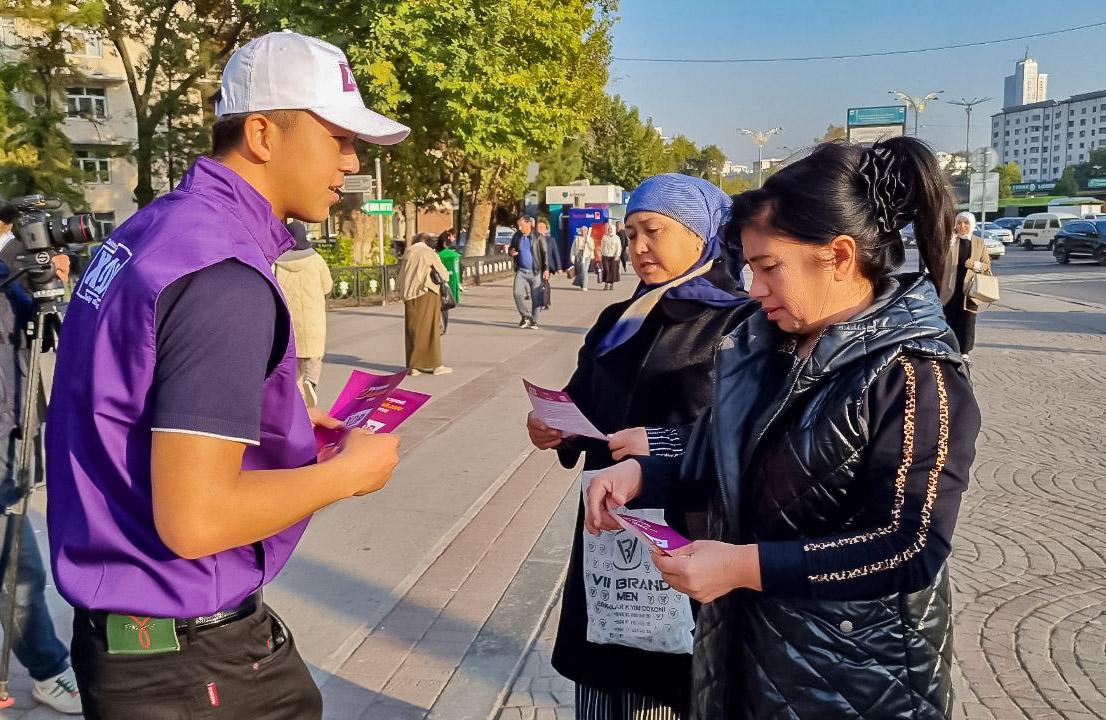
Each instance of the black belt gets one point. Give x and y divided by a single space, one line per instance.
204 622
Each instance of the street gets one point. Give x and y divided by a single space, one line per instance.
422 600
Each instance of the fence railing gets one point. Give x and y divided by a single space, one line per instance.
366 285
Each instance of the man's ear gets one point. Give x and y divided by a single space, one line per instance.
845 266
259 138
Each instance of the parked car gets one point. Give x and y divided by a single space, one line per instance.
1094 216
1081 239
1040 229
907 234
994 246
990 229
1013 224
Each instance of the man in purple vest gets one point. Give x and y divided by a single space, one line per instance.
182 466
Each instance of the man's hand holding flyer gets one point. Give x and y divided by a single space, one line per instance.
369 402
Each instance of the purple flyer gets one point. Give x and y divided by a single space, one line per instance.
370 402
661 537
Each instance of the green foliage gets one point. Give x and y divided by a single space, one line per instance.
1008 174
560 166
707 163
180 44
35 155
833 132
339 253
736 184
1067 185
680 154
1094 167
622 150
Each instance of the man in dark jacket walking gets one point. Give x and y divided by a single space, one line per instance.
531 255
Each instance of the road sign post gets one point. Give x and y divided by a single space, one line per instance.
380 206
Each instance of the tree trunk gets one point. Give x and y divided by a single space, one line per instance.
478 232
144 159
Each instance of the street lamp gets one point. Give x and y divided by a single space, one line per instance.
760 137
968 105
918 103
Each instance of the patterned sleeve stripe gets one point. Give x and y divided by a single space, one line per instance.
931 496
900 478
664 442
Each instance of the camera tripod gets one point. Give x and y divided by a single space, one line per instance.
41 333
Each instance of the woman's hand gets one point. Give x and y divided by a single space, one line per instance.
612 488
706 569
632 441
541 435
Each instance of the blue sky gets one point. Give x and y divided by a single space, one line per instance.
709 102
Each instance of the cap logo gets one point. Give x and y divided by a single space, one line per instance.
348 83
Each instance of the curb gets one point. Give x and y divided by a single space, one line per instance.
483 680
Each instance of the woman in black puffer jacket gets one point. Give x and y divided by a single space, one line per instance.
832 462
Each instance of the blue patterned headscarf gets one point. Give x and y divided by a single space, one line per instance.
704 209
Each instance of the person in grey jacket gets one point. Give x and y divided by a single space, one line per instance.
531 256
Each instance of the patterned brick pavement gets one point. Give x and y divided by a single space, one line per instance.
1029 565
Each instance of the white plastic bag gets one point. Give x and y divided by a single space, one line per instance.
627 600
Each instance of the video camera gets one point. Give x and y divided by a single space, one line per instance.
42 236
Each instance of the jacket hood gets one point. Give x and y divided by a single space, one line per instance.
294 260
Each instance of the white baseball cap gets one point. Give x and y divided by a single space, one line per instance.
289 71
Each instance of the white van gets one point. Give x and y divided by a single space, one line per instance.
1040 229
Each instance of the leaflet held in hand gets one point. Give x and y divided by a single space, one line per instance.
369 402
557 410
659 536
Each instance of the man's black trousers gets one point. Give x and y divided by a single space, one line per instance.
246 670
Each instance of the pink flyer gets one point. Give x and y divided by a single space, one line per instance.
372 402
661 537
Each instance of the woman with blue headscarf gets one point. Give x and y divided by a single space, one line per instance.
643 375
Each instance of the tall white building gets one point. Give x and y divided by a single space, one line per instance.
1043 138
1026 86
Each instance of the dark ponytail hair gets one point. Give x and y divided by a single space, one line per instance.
868 193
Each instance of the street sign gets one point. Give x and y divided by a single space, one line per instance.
358 184
1094 183
984 159
866 125
379 207
975 195
883 115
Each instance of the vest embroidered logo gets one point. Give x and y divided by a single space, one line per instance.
104 267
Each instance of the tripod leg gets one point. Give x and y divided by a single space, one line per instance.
44 325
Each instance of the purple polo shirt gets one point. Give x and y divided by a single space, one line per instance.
105 551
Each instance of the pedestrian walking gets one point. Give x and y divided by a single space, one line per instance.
305 279
644 367
967 257
422 306
531 259
34 641
452 261
620 226
834 457
610 250
582 252
182 464
554 260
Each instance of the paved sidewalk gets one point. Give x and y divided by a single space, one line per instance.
1029 565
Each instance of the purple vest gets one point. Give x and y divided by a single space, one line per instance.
105 550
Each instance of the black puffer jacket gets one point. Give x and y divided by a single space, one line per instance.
787 452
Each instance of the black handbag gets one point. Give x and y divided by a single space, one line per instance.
444 290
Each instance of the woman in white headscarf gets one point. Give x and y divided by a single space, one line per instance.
967 257
610 250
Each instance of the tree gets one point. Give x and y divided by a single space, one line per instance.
680 154
170 49
482 94
621 149
560 166
1008 174
1094 167
833 132
707 164
35 154
1067 185
736 184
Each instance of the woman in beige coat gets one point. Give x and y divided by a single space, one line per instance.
967 257
422 306
305 280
